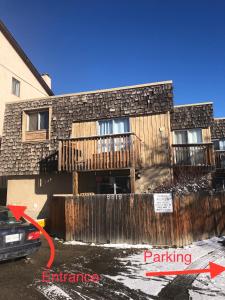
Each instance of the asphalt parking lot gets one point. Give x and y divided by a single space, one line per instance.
21 278
121 272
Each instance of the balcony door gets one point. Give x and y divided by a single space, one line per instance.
189 155
110 127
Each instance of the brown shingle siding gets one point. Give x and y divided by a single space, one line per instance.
22 158
218 129
192 116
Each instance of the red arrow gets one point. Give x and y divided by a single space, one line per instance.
214 270
18 212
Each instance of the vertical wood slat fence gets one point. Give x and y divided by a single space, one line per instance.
130 218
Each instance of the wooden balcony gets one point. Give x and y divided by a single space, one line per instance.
201 155
117 151
220 159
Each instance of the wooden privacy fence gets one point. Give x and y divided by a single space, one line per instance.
130 218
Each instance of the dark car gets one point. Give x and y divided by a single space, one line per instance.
17 238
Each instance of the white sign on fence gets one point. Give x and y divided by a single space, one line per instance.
163 203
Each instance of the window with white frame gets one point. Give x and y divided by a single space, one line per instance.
190 136
189 155
38 120
15 87
113 126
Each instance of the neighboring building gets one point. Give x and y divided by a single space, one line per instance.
122 140
218 138
19 80
18 76
192 142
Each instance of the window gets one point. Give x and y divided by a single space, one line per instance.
38 121
222 144
36 124
188 155
15 87
192 136
114 126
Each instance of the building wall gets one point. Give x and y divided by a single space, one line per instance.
192 116
35 192
11 65
154 134
83 129
206 135
218 129
152 130
20 160
25 157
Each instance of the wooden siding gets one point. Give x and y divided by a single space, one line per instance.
57 220
39 135
206 135
154 132
130 218
82 129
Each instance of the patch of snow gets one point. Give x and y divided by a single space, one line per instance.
53 292
74 243
118 246
133 274
205 288
126 246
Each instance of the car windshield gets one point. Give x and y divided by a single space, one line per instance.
6 217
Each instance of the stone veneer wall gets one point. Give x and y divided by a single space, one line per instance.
22 158
218 129
192 116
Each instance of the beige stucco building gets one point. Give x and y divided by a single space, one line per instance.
19 78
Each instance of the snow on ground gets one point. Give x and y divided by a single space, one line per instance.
53 292
205 288
117 246
133 275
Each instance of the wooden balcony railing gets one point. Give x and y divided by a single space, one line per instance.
99 152
193 154
220 159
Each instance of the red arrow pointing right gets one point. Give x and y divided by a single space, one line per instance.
214 270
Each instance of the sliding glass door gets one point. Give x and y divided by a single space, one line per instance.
110 127
189 155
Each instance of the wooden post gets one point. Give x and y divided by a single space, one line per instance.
60 156
132 180
75 183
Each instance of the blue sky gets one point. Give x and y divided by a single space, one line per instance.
95 44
